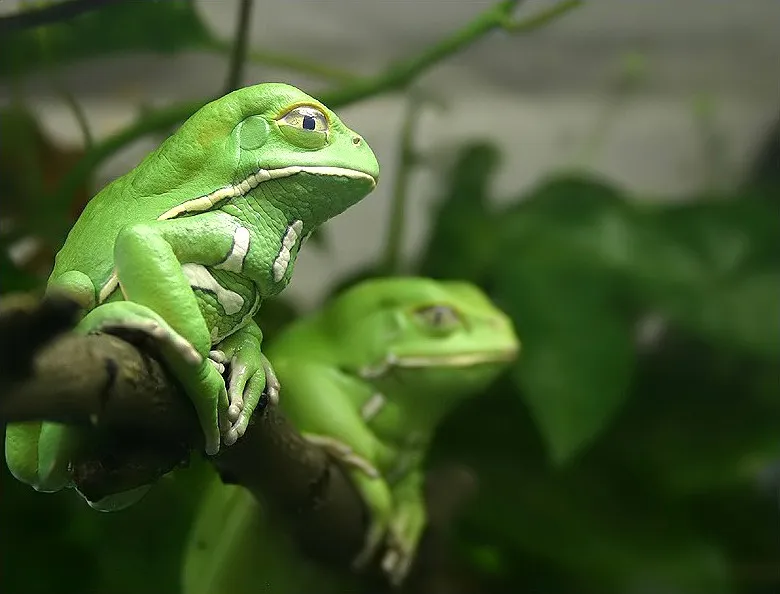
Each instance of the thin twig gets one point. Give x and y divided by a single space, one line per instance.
238 54
406 162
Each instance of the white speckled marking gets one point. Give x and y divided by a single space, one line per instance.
372 406
282 260
235 259
203 203
200 278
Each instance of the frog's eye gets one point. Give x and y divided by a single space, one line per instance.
438 317
305 126
306 118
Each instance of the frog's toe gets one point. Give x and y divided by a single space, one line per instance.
218 366
272 386
397 560
235 411
218 356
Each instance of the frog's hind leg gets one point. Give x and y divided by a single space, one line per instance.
198 375
39 453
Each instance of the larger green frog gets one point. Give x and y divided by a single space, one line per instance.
185 247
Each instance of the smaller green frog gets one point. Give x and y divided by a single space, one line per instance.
368 378
184 248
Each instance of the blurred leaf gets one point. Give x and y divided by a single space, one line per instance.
582 213
31 166
562 255
463 237
12 278
603 532
578 348
714 268
166 26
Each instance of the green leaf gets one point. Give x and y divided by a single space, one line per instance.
578 348
563 253
128 26
714 268
463 235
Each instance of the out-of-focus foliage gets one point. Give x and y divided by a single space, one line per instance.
611 459
31 166
662 444
166 26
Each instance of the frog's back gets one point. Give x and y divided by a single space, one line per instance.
166 177
89 247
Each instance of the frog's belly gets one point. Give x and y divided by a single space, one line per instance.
226 300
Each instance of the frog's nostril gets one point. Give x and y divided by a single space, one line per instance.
356 140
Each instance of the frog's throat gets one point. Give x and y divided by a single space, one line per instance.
204 203
430 361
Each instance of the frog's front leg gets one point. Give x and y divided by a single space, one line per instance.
251 377
406 526
148 259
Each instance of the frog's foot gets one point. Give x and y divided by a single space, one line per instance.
219 360
343 453
198 375
272 385
375 538
403 536
252 384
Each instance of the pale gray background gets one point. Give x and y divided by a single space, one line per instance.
539 96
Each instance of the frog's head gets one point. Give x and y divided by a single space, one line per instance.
425 337
274 142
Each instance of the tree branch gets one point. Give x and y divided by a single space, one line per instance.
140 426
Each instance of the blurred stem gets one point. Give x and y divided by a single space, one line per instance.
629 80
238 55
395 77
713 149
75 107
406 162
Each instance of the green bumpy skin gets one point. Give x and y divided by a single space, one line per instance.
185 247
368 378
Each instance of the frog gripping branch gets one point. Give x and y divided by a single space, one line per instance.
184 248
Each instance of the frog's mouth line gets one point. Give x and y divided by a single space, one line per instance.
210 200
443 361
204 203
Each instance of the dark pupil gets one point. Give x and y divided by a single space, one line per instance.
438 315
308 122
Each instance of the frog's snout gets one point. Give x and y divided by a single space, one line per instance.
367 161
